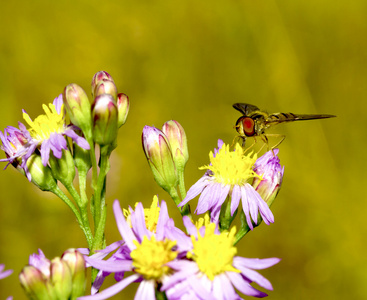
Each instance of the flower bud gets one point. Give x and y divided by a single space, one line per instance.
78 107
123 106
271 172
97 78
63 169
41 175
76 263
61 278
34 283
104 112
177 139
159 155
81 159
106 87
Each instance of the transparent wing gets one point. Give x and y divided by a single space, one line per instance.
245 108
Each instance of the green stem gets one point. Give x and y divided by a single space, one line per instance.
83 211
58 192
181 184
99 200
225 218
184 210
92 153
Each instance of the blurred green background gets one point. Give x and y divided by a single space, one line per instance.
190 61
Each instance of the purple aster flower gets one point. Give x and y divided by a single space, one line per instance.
49 130
213 271
229 173
18 147
150 241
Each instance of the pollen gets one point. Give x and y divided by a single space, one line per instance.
44 125
151 256
232 167
151 215
214 253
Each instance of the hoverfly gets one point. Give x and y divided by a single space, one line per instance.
254 122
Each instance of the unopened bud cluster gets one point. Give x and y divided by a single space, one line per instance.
101 118
60 278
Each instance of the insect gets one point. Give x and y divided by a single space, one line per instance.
254 121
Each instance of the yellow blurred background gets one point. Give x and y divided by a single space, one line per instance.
190 61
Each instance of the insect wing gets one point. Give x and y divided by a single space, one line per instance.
245 108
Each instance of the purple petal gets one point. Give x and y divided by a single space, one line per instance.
5 273
252 199
45 152
195 190
57 144
110 265
138 222
190 227
255 263
146 290
125 231
80 141
58 103
245 207
202 286
243 286
222 285
113 290
235 198
162 221
184 268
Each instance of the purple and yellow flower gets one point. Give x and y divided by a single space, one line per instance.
150 241
229 173
48 131
213 271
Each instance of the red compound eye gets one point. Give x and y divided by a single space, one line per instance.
248 126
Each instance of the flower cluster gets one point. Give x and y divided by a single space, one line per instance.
200 262
60 278
199 265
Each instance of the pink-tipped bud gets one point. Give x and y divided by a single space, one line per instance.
104 113
106 87
159 156
61 278
97 78
76 263
123 106
78 107
35 284
177 139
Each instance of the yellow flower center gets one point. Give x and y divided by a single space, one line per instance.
232 167
214 253
150 257
151 215
51 122
204 221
